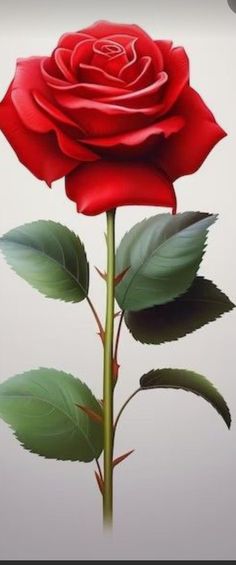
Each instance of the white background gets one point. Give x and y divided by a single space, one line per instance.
175 497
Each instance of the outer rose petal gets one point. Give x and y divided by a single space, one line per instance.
38 152
165 46
184 153
70 40
104 185
28 80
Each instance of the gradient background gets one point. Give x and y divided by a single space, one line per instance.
175 497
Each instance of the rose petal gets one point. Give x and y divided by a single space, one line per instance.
144 100
95 75
74 149
32 116
38 152
109 56
50 72
82 53
184 153
34 119
105 185
115 64
145 45
70 40
124 73
114 105
145 75
62 59
164 45
98 60
124 40
175 77
107 47
54 112
91 91
70 145
94 116
164 127
28 74
177 69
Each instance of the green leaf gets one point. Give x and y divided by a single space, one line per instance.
163 254
50 257
201 304
40 406
190 382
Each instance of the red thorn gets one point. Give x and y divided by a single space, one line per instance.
103 275
90 413
99 482
115 369
120 276
121 458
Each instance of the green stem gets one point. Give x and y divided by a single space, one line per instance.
108 373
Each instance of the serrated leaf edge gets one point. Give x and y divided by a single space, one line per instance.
228 421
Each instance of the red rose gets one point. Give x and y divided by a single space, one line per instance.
113 112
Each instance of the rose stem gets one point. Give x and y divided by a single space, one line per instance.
108 373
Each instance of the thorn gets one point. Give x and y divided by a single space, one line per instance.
120 276
174 209
103 275
117 314
105 235
99 482
96 417
115 369
101 402
121 458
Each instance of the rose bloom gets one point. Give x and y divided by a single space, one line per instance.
113 112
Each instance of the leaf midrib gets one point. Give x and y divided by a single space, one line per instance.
149 258
58 408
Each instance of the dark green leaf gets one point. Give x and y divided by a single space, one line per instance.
190 382
163 254
201 304
40 406
50 257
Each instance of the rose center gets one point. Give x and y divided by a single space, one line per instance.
107 48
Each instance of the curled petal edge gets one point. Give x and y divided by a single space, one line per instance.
103 185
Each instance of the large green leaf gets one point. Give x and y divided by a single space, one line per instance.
50 257
162 255
41 407
201 304
190 382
